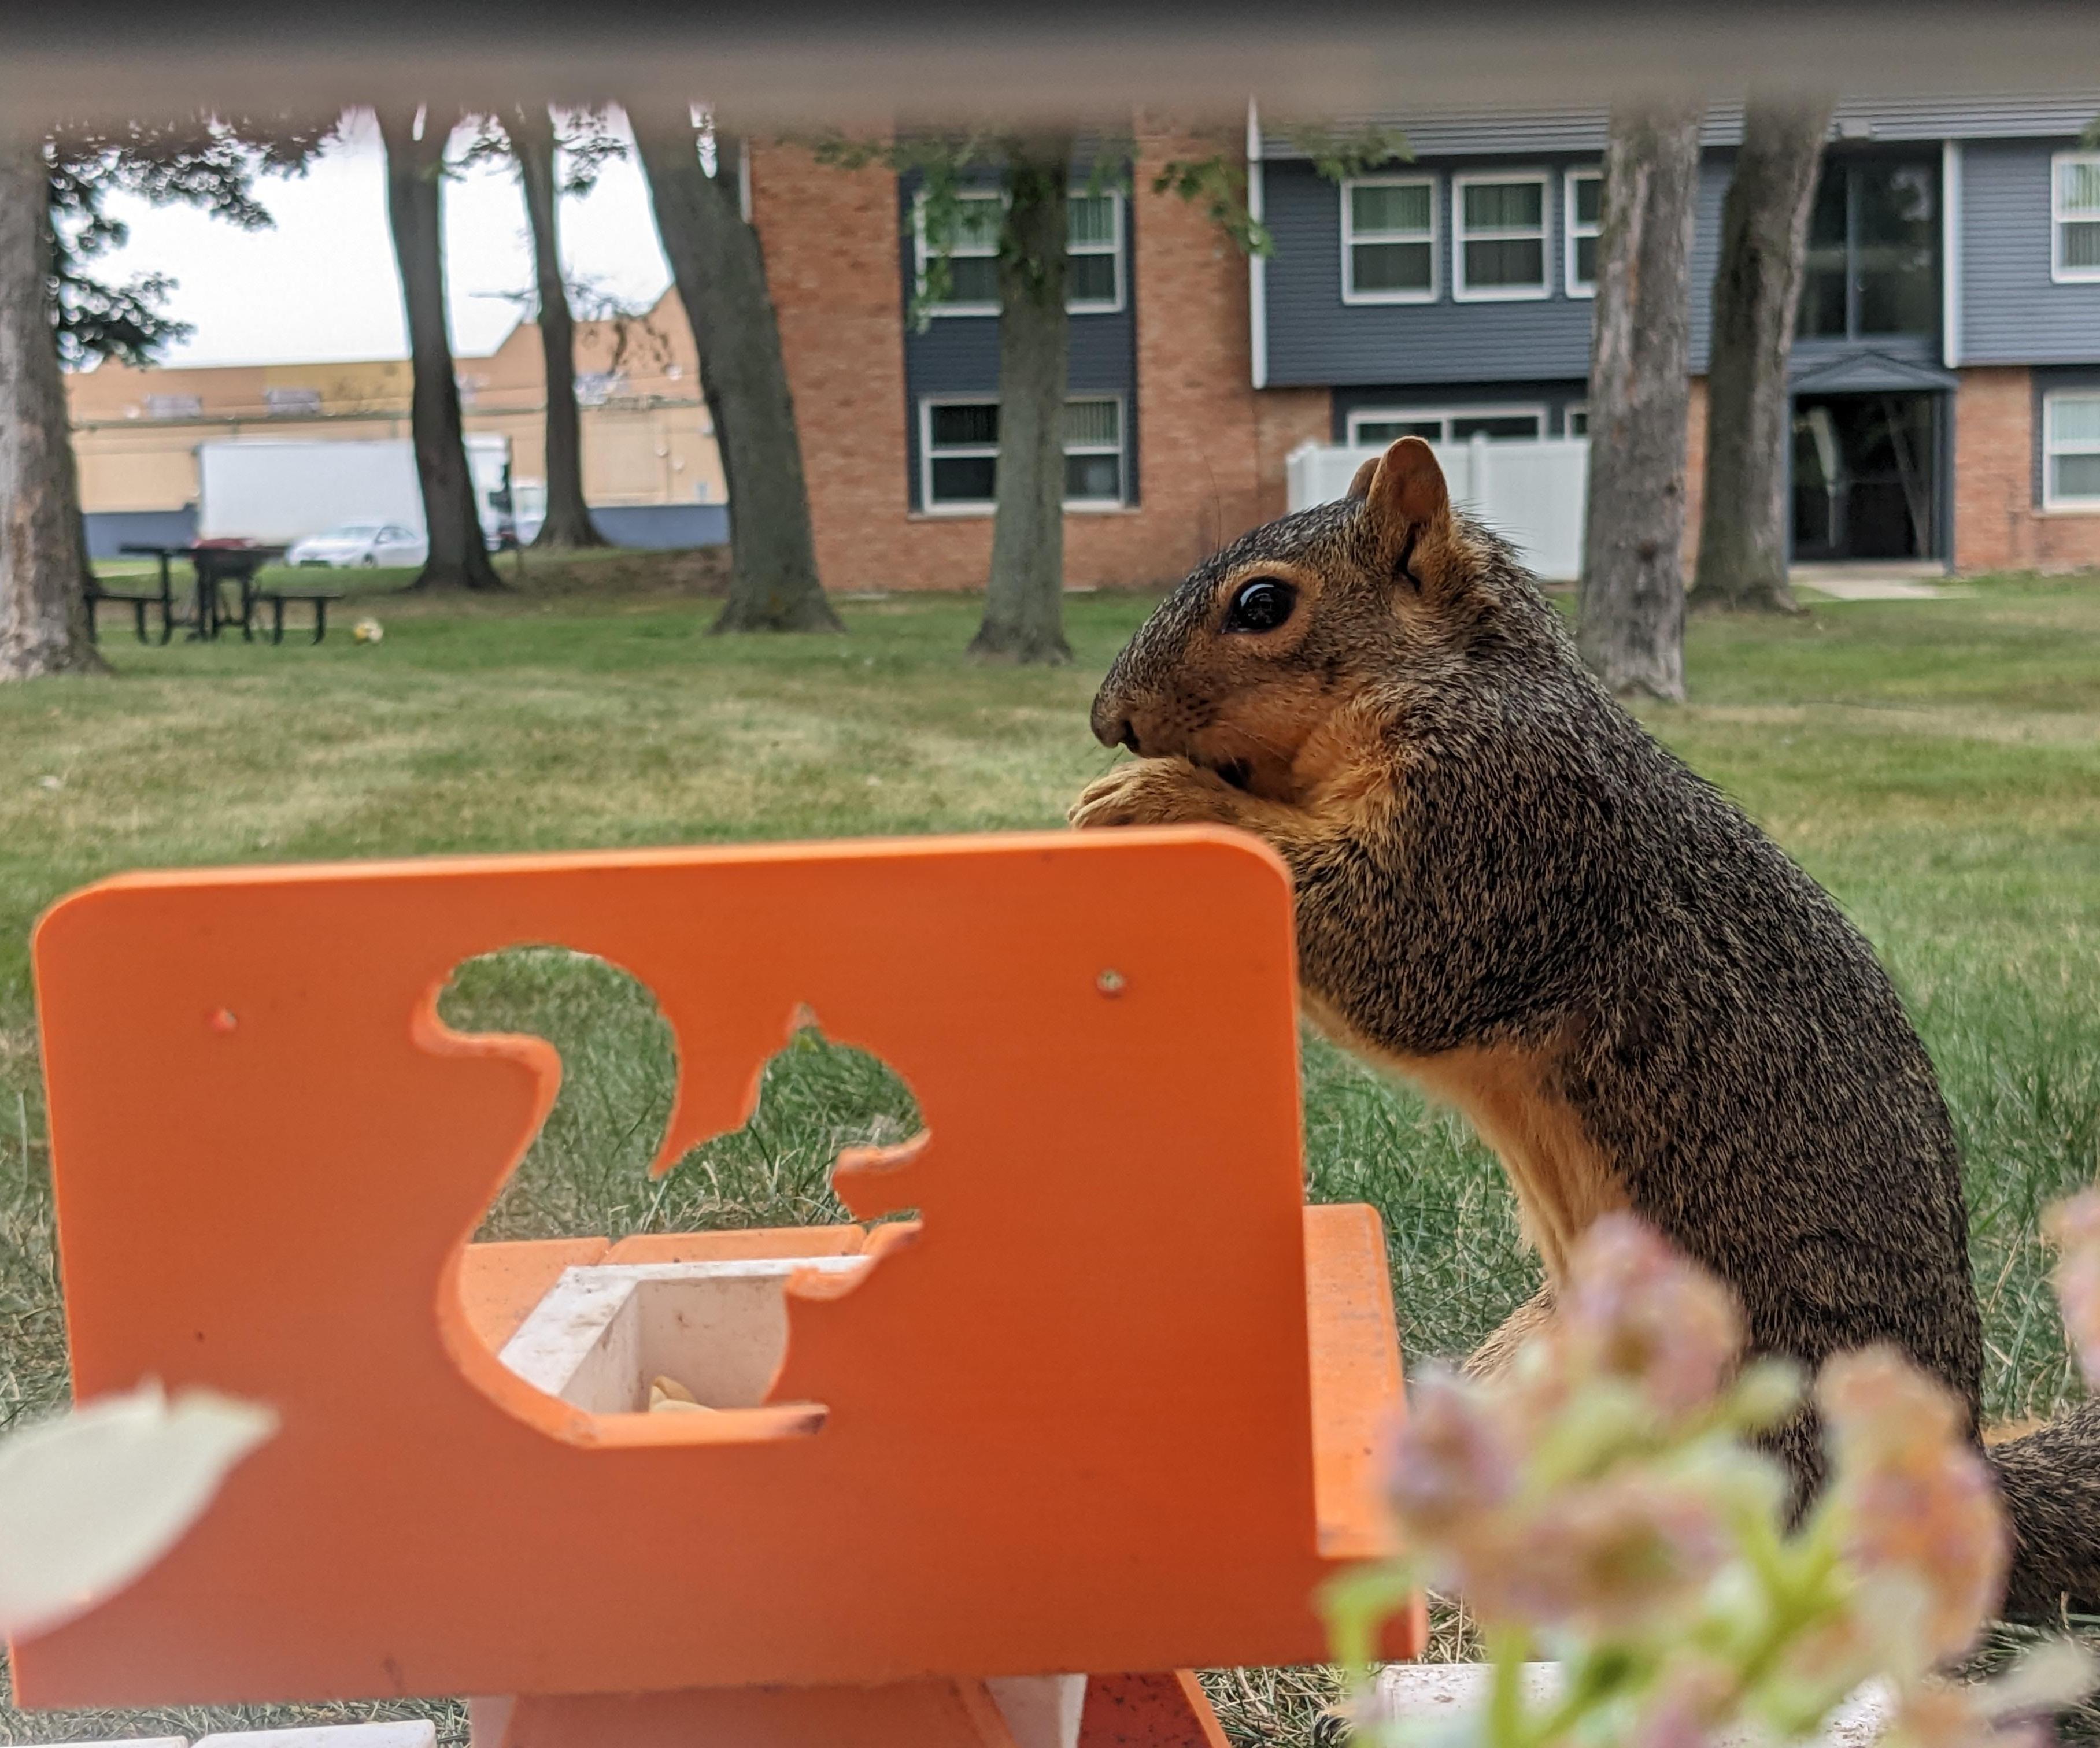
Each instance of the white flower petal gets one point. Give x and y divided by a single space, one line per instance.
91 1500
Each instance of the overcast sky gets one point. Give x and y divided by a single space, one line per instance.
321 284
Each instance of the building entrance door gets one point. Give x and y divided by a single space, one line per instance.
1867 480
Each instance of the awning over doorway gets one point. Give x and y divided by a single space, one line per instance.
1869 373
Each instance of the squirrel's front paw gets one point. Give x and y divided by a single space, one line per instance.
1152 792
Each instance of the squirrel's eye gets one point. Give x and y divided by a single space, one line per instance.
1260 605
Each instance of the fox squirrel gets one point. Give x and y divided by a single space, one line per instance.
1510 893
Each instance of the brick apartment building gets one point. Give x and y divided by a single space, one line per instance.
1159 364
1946 376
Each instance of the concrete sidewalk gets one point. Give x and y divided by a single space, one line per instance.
1418 1691
1912 581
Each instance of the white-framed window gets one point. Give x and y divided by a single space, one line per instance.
1577 419
1498 235
292 400
174 406
972 254
2070 450
1093 253
1389 240
2074 216
1373 425
1583 196
959 454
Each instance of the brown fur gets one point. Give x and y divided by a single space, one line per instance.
1513 1098
1493 1355
1506 890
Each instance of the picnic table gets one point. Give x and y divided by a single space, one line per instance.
215 563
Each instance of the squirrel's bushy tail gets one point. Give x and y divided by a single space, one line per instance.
2050 1479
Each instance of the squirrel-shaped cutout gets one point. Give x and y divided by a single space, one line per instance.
1512 894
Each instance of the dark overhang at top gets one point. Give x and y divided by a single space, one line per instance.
801 64
1437 131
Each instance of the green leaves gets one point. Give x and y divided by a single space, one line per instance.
954 171
201 159
1338 155
1218 183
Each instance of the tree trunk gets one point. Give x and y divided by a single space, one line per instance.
1024 617
568 520
415 171
1764 249
1631 617
721 275
44 626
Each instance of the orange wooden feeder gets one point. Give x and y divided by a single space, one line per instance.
1109 1405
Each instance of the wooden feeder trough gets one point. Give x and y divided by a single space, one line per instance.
998 1474
605 1331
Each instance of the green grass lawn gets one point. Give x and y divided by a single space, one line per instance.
1936 764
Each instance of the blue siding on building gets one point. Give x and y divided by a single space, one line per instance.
109 531
1715 170
2013 313
662 526
659 525
1314 338
959 355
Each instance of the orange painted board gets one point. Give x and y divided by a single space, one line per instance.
1358 1386
501 1282
1166 1710
737 1246
1119 1405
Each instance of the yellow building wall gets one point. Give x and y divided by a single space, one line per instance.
136 431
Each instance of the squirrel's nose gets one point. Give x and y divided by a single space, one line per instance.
1112 727
1109 720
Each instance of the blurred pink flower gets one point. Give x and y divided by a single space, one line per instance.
1620 1556
1451 1464
1598 1501
1690 1699
1635 1309
1917 1508
2074 1228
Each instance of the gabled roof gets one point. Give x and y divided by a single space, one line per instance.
1868 373
1491 130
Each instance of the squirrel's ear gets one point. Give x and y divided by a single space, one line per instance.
1406 500
1361 486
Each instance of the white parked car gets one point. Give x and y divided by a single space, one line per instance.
369 543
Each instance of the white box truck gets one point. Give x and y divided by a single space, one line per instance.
277 490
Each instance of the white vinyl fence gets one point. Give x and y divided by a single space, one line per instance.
1531 492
